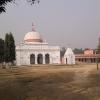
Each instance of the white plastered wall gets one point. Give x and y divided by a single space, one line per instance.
24 51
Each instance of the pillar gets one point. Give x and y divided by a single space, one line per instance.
43 59
35 59
51 60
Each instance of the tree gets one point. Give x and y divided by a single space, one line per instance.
9 48
1 51
78 51
3 3
98 49
62 51
12 47
99 44
98 52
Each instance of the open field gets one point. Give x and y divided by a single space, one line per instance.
49 82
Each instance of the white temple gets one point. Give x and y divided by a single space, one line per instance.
69 57
34 50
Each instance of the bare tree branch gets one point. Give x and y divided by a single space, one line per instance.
3 3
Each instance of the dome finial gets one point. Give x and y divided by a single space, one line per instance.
33 27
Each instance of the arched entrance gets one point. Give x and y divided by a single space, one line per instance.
47 59
40 59
32 59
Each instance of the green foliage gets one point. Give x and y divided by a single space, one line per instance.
9 48
78 51
12 47
98 49
98 52
1 51
3 3
99 44
62 51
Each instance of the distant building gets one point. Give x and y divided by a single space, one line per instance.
88 52
89 56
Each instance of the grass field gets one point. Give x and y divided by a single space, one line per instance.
50 82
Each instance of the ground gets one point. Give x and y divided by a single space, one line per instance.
50 82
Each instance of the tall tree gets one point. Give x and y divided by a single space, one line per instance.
3 3
78 51
9 48
98 49
62 51
1 51
12 47
99 43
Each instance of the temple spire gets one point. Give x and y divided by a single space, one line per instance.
33 29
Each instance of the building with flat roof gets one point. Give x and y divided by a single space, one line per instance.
89 56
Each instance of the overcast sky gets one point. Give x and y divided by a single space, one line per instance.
74 23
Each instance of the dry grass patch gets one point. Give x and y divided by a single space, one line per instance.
51 82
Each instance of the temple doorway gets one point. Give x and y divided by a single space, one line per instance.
40 59
47 59
32 59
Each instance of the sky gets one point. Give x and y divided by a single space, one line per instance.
68 23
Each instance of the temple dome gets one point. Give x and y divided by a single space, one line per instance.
33 37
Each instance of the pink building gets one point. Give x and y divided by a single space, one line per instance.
89 56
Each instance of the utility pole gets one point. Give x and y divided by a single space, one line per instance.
97 64
97 61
